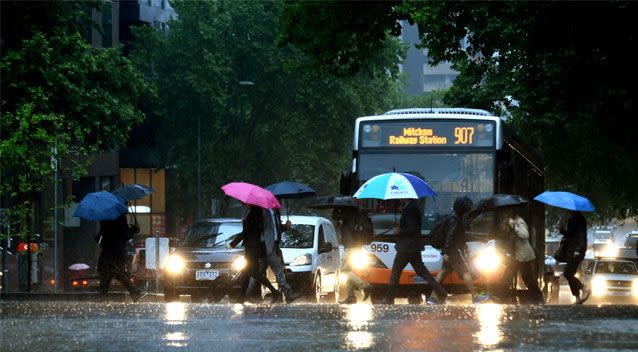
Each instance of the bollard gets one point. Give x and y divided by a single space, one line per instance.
157 262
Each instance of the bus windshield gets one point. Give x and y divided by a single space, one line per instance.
451 175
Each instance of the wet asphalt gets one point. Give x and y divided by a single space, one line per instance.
184 326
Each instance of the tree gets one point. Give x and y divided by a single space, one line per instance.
57 90
293 123
560 70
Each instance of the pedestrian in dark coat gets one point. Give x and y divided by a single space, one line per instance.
409 246
455 249
254 247
113 238
576 246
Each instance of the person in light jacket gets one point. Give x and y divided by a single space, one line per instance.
521 255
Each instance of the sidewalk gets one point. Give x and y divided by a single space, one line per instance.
77 296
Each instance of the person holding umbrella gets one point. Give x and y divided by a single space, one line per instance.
256 200
408 188
113 237
575 236
521 256
254 247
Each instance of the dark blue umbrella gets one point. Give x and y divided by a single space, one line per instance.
290 190
133 192
100 205
566 200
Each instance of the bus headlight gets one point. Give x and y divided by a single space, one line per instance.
487 260
174 264
239 264
598 286
360 259
305 259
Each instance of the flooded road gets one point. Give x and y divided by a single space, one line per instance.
104 326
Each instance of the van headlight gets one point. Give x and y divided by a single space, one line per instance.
174 264
239 263
305 259
599 286
487 260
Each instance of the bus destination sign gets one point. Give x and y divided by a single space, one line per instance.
427 134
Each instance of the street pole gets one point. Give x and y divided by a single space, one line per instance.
199 167
54 165
157 262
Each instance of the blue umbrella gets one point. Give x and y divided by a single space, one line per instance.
565 200
133 192
100 205
395 185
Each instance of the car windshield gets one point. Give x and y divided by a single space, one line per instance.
211 234
299 236
603 236
625 268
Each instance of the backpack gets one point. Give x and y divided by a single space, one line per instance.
439 231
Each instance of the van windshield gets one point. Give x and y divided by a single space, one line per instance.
625 268
299 236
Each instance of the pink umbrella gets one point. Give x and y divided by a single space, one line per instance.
251 194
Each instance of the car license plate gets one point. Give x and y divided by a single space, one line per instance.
617 293
417 280
206 274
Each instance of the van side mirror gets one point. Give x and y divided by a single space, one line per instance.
327 247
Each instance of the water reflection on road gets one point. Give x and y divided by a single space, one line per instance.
79 326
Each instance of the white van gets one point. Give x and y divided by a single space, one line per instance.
312 257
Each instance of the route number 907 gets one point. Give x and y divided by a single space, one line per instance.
379 247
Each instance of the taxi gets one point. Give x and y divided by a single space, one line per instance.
612 280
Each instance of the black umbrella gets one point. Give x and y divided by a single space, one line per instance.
334 202
500 200
133 192
291 190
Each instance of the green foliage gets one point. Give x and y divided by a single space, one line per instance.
559 70
56 87
294 123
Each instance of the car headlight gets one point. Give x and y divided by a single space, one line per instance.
239 263
598 286
361 259
174 264
487 260
305 259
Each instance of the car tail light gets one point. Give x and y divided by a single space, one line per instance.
74 283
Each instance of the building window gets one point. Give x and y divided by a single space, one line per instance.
163 4
149 2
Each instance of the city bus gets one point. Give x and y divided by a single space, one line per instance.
458 152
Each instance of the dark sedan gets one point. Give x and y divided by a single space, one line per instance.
203 266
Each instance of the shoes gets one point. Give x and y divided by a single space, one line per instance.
435 300
349 300
277 297
584 297
137 295
480 298
290 297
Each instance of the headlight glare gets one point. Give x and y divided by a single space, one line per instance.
239 263
487 260
305 259
635 288
174 264
598 286
360 259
